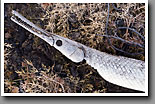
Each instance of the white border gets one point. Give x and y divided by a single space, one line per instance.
74 94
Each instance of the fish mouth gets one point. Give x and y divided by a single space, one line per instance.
18 18
31 27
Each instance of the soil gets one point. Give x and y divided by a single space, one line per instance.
33 66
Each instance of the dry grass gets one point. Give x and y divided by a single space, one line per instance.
33 66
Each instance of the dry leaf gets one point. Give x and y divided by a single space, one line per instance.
15 90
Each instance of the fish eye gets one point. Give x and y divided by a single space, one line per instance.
59 43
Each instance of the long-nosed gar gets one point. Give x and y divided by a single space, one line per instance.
119 70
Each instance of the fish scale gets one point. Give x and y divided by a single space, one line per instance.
118 68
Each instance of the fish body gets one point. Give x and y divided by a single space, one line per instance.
119 70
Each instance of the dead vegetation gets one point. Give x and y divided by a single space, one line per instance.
33 66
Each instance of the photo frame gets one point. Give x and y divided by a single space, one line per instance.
32 67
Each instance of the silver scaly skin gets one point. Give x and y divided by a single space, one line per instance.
119 70
122 71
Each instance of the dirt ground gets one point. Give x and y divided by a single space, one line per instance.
33 66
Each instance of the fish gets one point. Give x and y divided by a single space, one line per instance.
119 70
